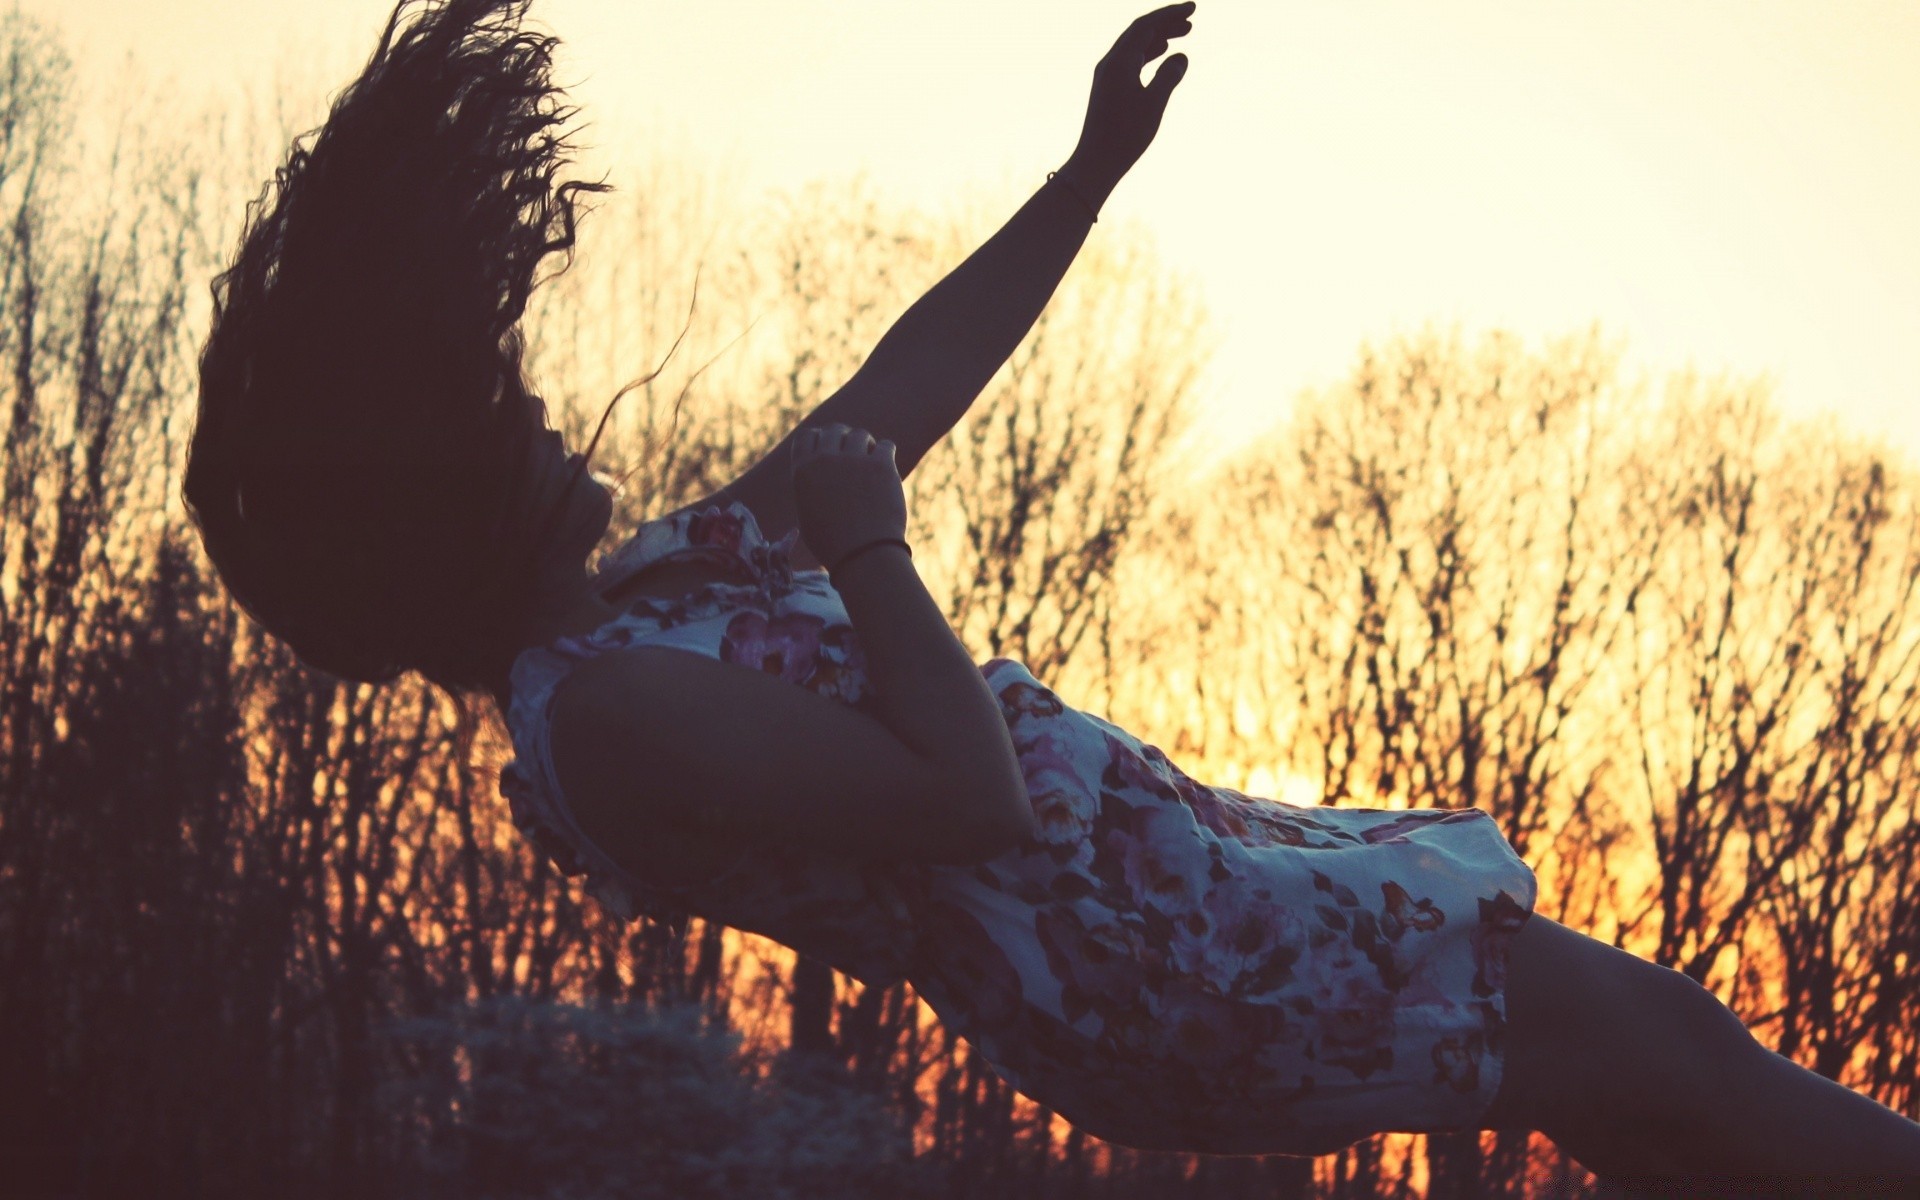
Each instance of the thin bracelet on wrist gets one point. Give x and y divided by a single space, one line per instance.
1068 184
900 542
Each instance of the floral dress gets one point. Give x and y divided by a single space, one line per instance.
1167 964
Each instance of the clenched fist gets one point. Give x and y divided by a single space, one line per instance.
846 489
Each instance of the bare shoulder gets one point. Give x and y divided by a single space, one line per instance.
637 820
661 746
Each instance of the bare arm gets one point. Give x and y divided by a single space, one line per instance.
928 771
926 372
933 696
930 366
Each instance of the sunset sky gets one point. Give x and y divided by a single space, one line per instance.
1732 186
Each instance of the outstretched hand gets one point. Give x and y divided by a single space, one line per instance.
1124 114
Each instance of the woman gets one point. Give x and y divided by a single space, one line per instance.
1167 964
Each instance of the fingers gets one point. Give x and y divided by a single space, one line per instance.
828 437
1146 39
1171 14
1162 23
837 438
1169 74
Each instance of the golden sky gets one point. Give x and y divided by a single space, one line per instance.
1729 185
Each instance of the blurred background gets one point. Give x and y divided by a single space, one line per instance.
1478 405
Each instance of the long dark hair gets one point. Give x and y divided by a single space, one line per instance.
357 465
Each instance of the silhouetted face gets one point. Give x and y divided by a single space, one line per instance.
560 565
589 507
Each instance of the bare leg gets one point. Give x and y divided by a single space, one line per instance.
1644 1076
1774 1115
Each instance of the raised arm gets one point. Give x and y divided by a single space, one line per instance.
931 365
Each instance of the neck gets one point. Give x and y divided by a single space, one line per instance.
567 607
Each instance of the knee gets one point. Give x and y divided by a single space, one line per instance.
1692 1014
1691 1042
1659 1071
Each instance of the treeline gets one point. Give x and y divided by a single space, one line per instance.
261 934
1669 640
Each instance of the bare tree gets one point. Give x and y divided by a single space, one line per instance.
1667 645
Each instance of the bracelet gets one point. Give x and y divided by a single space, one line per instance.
1068 184
900 542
